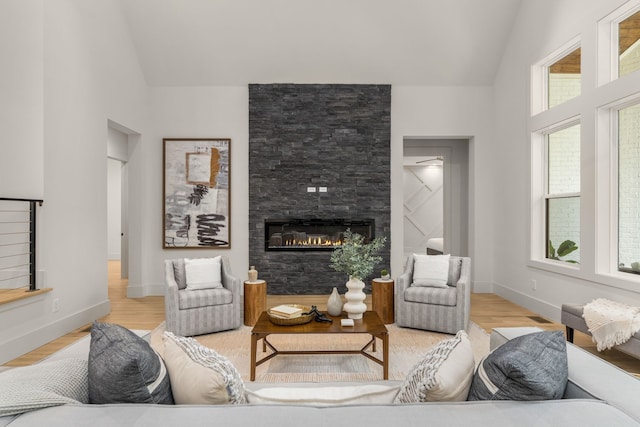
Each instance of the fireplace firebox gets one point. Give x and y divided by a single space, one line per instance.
312 234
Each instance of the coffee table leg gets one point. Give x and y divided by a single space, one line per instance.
385 356
254 348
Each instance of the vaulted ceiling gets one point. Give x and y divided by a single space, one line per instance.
235 42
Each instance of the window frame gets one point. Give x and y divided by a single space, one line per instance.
600 95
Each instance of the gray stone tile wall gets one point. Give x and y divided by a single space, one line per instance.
334 136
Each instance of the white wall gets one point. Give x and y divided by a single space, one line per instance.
196 112
223 112
562 21
21 102
73 67
448 112
114 208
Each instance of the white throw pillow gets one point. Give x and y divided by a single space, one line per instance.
199 375
443 375
374 394
203 273
192 383
431 270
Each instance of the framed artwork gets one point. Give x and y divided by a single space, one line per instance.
196 192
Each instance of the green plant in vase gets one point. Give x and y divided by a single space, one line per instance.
357 259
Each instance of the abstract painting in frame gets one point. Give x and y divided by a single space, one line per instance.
196 193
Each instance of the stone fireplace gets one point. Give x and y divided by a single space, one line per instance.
317 154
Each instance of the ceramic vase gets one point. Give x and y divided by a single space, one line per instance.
253 274
334 304
355 305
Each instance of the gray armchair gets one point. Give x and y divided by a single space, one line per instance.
197 312
435 309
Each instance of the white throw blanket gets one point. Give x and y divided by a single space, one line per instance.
611 323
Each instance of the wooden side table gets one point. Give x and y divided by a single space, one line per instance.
382 299
255 301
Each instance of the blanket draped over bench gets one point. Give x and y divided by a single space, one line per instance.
611 323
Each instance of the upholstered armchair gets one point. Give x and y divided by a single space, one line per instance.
201 311
442 309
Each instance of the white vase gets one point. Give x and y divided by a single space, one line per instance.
355 305
253 274
334 304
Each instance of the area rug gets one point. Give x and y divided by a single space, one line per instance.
406 348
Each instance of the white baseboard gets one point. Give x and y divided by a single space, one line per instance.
141 291
482 287
29 341
536 305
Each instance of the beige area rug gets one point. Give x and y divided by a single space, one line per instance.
406 348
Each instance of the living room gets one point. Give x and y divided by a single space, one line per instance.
73 71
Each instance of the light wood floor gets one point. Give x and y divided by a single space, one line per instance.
487 310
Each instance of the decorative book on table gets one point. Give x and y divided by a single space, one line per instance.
286 311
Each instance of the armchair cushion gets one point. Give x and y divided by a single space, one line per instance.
204 298
203 273
455 270
431 270
179 274
434 296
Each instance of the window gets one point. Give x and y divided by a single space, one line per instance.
562 199
629 189
563 79
629 45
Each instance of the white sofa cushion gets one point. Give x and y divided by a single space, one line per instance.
199 374
326 396
443 375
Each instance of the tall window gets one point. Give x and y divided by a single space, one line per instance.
629 45
563 79
563 194
629 189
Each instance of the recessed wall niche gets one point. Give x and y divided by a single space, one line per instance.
318 136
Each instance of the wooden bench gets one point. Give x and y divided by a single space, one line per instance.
571 317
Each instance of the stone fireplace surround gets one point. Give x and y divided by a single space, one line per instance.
312 136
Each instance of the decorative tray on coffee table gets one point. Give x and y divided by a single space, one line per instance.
297 319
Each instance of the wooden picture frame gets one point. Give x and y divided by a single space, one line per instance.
196 210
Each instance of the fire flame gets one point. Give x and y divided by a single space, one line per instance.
314 241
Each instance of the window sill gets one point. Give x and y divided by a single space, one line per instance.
626 281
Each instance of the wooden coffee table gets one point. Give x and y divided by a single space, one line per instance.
370 324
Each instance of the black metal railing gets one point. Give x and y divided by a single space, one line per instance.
18 243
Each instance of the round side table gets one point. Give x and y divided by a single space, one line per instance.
255 300
382 299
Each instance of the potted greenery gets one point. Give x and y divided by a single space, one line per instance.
357 259
384 274
564 249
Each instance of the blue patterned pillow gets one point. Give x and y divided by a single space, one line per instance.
123 368
529 367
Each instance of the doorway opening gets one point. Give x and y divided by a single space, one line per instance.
435 196
119 148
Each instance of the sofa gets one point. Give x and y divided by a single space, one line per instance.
596 394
